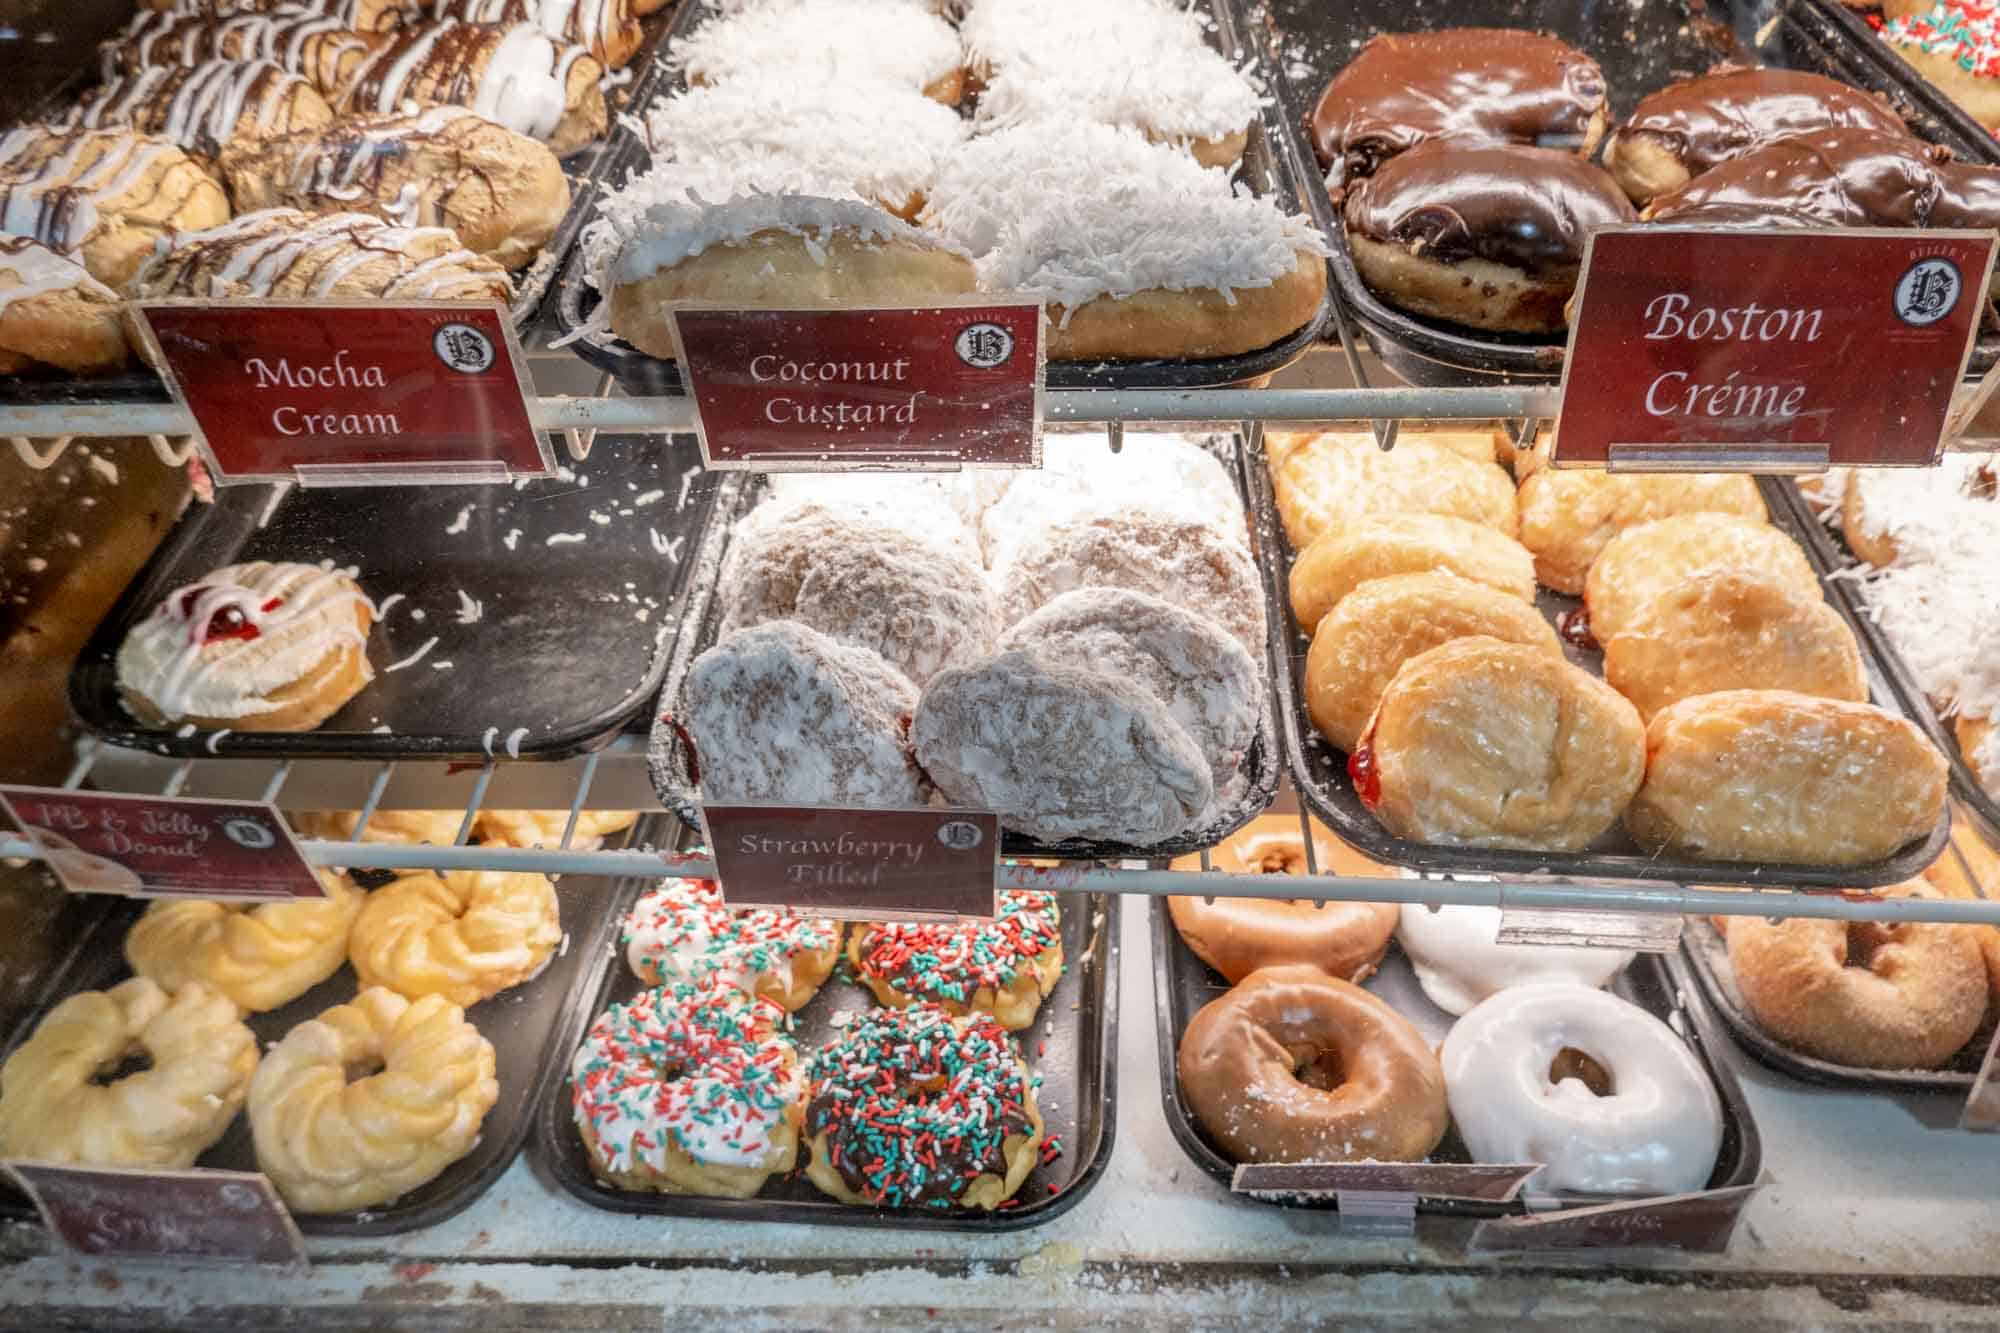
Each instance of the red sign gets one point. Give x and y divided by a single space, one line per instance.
858 865
108 1212
349 393
1786 351
805 389
1702 1221
163 846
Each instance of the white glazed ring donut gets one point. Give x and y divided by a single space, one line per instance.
1459 963
1658 1130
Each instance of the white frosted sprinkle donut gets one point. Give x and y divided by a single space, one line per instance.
683 932
1459 964
1656 1129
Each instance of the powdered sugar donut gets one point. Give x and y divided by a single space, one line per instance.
683 933
921 607
1459 961
1185 561
782 713
776 544
913 502
1060 751
1081 476
1209 684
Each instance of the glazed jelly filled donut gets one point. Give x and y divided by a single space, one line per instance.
1293 1065
1599 1091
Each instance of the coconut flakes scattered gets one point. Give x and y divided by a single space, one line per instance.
824 41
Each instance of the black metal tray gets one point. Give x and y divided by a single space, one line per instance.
1641 48
1072 1046
1829 554
1182 984
674 777
1319 771
525 1025
1707 959
1270 167
560 648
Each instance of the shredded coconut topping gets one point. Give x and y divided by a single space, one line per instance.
668 233
1167 89
893 41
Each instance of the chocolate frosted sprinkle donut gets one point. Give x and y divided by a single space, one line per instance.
1483 85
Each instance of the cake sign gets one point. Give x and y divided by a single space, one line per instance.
804 390
1790 351
196 1214
163 846
347 393
857 865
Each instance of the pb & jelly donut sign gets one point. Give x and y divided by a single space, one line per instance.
1788 351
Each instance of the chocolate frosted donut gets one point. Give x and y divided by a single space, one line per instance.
1494 85
1846 178
1692 126
1487 236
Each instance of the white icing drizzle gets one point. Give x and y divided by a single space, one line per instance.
60 202
200 107
592 24
301 613
38 271
824 42
334 165
161 37
251 254
519 75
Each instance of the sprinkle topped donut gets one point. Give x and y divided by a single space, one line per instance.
683 932
695 1090
1001 967
912 1108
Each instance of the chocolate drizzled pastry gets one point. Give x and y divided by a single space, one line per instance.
1492 85
1692 126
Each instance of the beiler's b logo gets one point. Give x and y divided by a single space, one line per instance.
1928 291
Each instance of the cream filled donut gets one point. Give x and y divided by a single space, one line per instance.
1459 963
253 647
1519 1094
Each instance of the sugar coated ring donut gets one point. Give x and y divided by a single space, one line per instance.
913 1108
52 1109
1459 961
1236 936
683 932
464 935
690 1090
1872 994
1293 1065
1001 967
258 955
330 1144
1654 1129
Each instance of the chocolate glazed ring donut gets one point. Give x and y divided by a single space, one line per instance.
1493 85
1488 236
1695 125
1295 1066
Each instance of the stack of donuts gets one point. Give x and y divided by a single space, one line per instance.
1077 648
818 156
1297 1062
695 1084
1731 722
1462 163
355 1107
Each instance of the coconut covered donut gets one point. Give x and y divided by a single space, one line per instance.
252 647
1642 562
1184 561
1209 684
817 41
259 956
913 1108
1652 1123
921 608
1871 994
1293 1065
1060 751
369 1100
689 1090
53 1108
1459 961
1569 515
780 712
682 933
1383 545
464 934
1001 967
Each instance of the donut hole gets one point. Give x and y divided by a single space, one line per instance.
1864 938
1572 1063
134 1059
1318 1067
364 1066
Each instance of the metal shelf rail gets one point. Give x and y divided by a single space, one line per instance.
1635 898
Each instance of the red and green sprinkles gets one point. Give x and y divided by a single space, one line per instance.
1966 33
916 1105
954 961
683 930
707 1069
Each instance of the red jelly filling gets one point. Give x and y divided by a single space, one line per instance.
1573 627
1367 776
227 622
